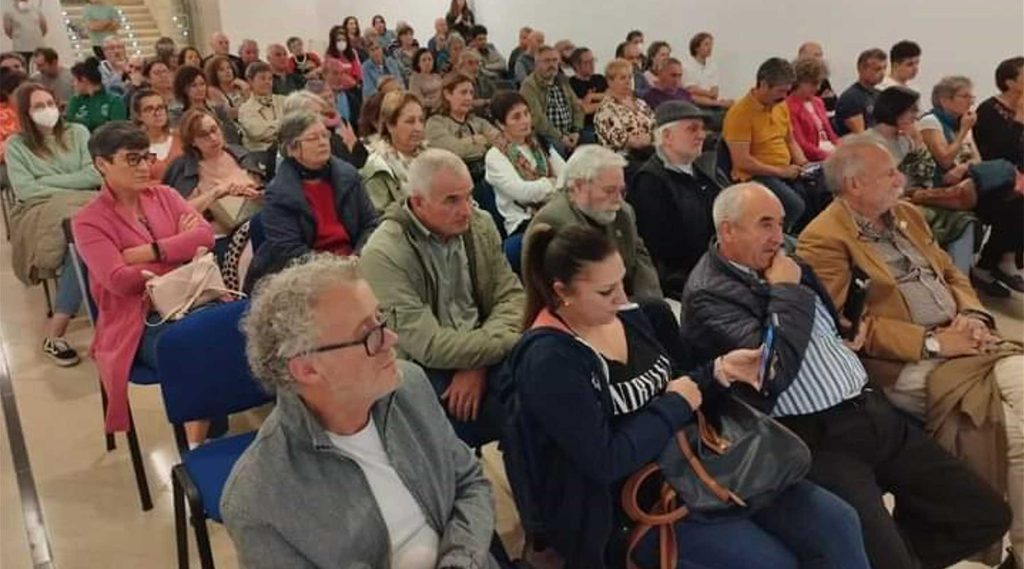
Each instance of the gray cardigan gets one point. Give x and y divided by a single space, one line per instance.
295 500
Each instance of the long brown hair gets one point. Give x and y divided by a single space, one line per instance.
33 137
557 255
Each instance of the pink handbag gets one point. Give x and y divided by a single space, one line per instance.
178 292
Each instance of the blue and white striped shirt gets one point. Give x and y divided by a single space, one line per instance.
830 372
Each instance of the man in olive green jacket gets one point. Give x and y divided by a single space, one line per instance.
559 128
436 261
593 196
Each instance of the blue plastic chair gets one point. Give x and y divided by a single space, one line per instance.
139 375
204 374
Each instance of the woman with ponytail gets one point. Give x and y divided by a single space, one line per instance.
597 398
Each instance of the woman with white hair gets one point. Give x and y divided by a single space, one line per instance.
344 142
316 202
946 131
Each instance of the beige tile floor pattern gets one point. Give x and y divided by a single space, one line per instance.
88 495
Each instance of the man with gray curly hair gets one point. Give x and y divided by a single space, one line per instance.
357 461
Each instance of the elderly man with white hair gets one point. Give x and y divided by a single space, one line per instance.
438 263
356 465
673 191
114 67
747 292
593 195
220 44
931 346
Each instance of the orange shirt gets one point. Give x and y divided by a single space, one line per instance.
8 125
765 128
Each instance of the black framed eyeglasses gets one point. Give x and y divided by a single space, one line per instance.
373 341
133 159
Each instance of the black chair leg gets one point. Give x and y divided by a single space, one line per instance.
110 440
202 538
49 301
180 521
140 468
7 216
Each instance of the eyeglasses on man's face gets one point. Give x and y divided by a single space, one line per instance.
372 342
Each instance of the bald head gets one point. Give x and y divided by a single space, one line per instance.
219 43
748 222
811 49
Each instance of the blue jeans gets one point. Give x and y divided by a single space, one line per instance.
961 249
69 294
490 418
806 527
146 352
791 199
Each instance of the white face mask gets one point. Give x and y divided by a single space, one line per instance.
340 45
46 118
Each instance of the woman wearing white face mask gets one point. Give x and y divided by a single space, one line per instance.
49 166
351 82
26 26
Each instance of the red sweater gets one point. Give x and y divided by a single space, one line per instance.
805 131
331 235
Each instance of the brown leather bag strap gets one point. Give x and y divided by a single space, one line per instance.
721 492
662 517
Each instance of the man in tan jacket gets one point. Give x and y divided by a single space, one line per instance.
920 311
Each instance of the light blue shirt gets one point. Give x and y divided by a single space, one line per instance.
372 74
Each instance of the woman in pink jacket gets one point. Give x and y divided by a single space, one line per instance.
133 229
807 116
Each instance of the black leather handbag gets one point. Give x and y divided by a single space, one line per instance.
730 462
735 460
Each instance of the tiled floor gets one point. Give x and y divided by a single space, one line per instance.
88 495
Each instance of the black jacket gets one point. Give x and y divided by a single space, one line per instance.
565 455
725 308
288 221
673 216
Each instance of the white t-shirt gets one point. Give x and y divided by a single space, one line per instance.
704 76
161 149
414 544
890 82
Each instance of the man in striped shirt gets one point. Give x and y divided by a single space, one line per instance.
816 385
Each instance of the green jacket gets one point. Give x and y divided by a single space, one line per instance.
92 111
641 277
537 99
393 263
65 169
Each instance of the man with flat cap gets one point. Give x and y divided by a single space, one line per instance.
672 194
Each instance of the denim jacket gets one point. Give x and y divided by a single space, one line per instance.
295 500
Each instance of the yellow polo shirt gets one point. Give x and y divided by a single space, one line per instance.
765 128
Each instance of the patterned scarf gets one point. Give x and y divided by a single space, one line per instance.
524 165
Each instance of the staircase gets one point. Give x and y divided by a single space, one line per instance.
138 28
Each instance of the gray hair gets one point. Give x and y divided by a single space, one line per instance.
292 127
848 160
280 322
588 161
456 37
113 40
729 204
947 88
303 101
427 164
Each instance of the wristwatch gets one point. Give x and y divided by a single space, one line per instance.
931 345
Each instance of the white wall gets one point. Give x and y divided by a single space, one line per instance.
56 36
957 37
